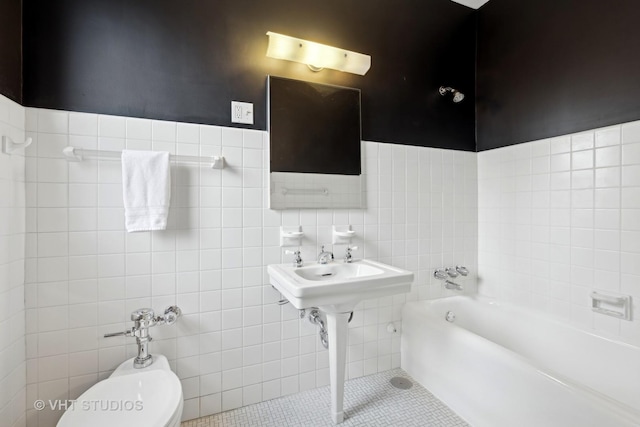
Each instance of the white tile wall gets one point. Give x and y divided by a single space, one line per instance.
235 345
555 219
560 218
12 255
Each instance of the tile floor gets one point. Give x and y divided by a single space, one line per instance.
369 401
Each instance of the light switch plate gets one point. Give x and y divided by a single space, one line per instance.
242 112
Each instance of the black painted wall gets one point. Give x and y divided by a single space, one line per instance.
186 60
552 67
11 49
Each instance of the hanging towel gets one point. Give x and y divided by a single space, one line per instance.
146 188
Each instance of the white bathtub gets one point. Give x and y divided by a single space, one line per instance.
501 366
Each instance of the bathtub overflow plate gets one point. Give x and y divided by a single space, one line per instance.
450 317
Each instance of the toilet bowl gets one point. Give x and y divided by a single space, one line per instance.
151 397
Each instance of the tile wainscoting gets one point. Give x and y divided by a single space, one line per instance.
234 346
560 218
12 251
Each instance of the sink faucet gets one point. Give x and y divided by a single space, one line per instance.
324 257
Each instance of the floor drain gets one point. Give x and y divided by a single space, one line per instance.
401 383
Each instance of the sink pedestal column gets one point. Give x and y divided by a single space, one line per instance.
337 327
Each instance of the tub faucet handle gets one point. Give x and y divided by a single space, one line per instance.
462 270
452 272
452 285
440 274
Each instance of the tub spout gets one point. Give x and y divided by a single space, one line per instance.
452 285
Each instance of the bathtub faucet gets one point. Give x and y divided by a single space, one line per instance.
451 273
451 285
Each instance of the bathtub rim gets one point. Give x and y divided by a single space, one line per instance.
539 314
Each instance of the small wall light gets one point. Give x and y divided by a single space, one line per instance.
317 56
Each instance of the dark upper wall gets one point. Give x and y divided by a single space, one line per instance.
186 60
11 49
552 67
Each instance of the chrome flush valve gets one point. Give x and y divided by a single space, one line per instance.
145 318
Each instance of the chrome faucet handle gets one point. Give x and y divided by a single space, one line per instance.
324 257
462 270
440 274
452 272
297 260
348 258
126 333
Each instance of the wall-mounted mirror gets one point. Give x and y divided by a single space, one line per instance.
314 145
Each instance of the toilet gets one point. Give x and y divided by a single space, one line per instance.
147 397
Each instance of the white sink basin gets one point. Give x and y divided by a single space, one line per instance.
335 271
338 284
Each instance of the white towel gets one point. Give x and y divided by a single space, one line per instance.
146 188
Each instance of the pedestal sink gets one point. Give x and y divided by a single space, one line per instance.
336 288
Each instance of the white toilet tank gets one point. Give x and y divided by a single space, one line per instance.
151 397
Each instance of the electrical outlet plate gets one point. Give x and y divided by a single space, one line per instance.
242 112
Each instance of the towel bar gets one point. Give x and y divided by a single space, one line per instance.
75 154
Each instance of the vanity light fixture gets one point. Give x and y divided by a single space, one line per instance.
317 56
